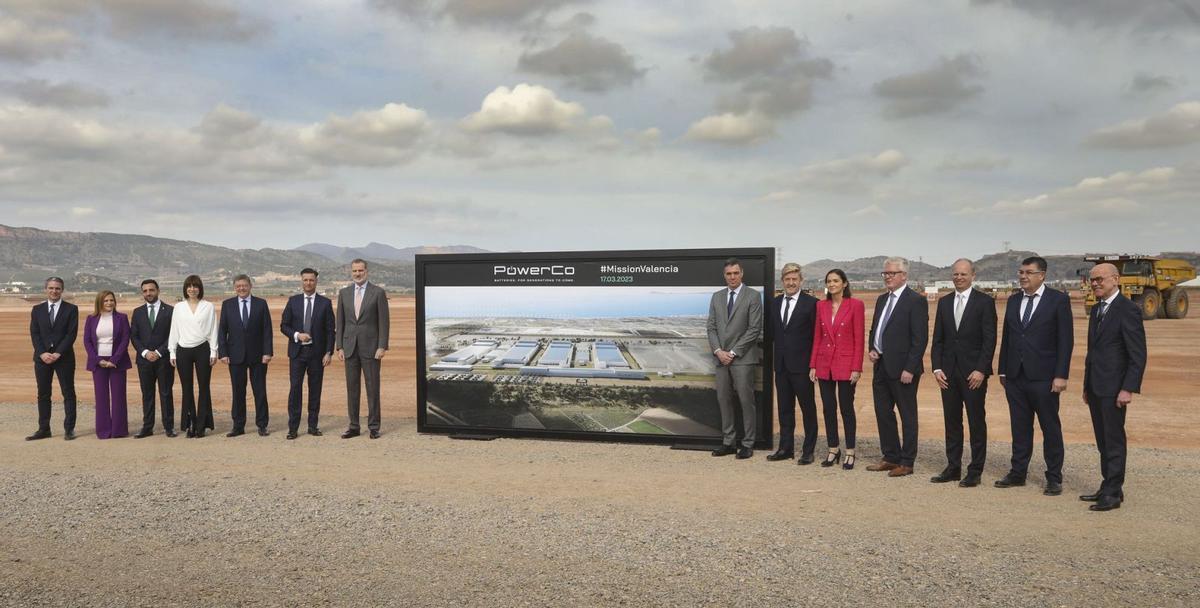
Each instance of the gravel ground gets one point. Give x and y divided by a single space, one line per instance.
429 521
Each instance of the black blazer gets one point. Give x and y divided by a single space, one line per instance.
145 338
322 323
794 342
1041 351
58 339
1116 355
969 347
244 346
906 334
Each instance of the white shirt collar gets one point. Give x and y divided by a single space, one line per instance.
1109 300
897 291
737 290
49 303
966 293
1040 291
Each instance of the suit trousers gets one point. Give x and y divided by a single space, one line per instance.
195 414
306 362
954 399
1027 399
736 382
258 385
835 393
790 387
1108 421
64 368
157 378
366 367
891 395
112 410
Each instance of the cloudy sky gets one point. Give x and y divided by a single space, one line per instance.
842 129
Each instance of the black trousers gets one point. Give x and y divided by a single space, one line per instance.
64 368
891 395
306 362
258 385
835 393
954 399
790 387
1027 399
195 414
157 378
1108 421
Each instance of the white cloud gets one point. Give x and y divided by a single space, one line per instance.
1119 195
849 175
1178 126
387 136
869 212
526 109
730 128
21 42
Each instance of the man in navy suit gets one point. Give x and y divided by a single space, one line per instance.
964 341
244 343
53 326
793 317
1112 373
308 323
1035 362
899 334
149 332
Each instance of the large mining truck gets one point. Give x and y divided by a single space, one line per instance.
1151 282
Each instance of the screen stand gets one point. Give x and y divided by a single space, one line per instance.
695 446
473 436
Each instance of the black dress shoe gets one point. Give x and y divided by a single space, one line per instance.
199 434
69 435
292 435
946 476
349 433
1106 503
38 435
806 459
374 434
1009 481
144 433
744 453
970 481
1053 488
1097 496
190 433
315 432
724 450
263 432
777 455
171 433
234 433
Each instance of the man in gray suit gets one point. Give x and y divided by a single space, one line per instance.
734 326
362 339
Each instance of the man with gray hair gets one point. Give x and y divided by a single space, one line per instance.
53 326
244 342
899 333
793 317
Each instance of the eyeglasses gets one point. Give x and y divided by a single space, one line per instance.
1096 279
887 274
1029 273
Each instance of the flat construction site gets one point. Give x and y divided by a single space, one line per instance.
423 520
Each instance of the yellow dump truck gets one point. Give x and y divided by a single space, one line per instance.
1150 281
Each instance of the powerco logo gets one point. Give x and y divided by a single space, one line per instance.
556 270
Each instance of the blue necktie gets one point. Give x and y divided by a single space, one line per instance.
245 312
1028 310
729 306
1103 309
887 316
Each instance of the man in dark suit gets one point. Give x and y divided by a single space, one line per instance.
149 332
1112 373
244 343
899 333
308 324
964 341
53 326
363 323
734 327
1035 362
793 318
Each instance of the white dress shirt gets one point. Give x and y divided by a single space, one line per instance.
157 308
960 301
893 301
190 329
104 335
309 302
1036 300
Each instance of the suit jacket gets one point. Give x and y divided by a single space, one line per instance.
1116 355
321 324
740 332
120 347
57 339
906 334
248 345
367 332
794 341
969 347
838 341
144 337
1042 351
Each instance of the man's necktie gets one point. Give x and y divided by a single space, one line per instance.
245 312
1028 310
887 316
958 310
787 310
729 306
308 314
153 315
1103 309
358 298
52 314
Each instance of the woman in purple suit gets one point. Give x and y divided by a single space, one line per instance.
106 339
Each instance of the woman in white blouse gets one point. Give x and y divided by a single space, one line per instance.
106 340
193 347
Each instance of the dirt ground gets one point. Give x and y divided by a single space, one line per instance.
1164 415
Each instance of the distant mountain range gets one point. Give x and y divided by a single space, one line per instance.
379 251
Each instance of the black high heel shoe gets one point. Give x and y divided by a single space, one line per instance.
832 458
849 464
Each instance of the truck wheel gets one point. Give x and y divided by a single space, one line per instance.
1176 303
1149 301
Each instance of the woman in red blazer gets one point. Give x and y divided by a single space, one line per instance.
106 340
837 360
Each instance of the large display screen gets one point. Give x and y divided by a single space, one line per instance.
592 345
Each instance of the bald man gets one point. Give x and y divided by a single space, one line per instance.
1112 373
